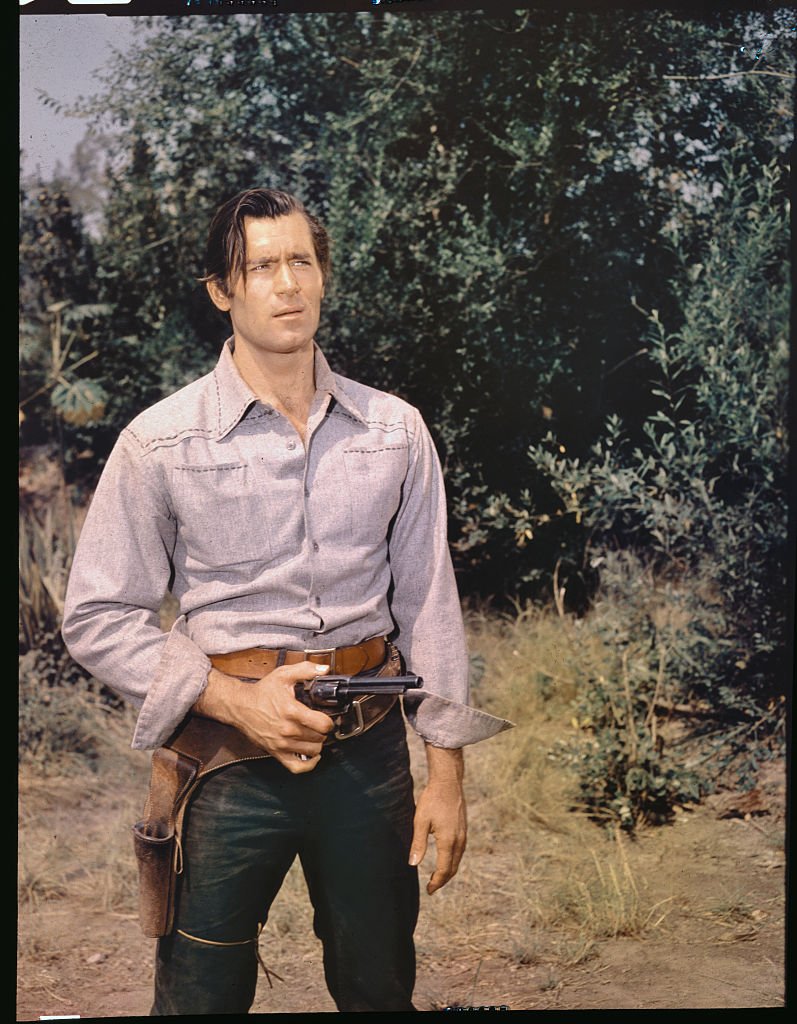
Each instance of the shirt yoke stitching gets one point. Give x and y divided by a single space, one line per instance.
372 451
149 443
397 424
210 469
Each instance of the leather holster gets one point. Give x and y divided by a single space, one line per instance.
197 747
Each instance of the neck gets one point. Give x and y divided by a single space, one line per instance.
284 380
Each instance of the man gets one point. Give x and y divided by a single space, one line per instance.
299 518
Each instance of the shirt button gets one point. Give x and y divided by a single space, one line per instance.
291 445
315 545
318 600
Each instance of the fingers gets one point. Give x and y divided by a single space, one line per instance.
269 713
295 764
302 723
443 816
449 856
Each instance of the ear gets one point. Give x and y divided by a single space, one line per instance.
218 296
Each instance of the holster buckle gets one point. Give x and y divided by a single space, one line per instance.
359 725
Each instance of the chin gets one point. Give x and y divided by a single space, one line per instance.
285 346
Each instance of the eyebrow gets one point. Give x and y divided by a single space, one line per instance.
267 258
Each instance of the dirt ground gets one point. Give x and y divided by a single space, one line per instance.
711 886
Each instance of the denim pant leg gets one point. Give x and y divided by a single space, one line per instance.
239 841
355 860
350 820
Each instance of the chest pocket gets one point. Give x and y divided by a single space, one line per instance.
375 476
222 514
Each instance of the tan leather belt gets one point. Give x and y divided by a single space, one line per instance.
257 662
376 653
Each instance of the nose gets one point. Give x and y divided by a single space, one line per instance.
286 282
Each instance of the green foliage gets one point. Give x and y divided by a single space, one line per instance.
507 195
56 291
703 488
627 771
701 494
496 188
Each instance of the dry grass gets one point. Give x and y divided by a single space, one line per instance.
46 545
603 898
566 884
540 884
735 909
75 845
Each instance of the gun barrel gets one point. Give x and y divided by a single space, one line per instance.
335 691
338 689
358 689
374 684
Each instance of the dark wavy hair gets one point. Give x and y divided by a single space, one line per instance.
225 251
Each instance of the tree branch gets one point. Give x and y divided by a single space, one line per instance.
729 74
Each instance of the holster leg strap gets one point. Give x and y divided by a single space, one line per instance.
240 942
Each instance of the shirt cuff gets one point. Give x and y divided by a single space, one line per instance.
447 723
180 678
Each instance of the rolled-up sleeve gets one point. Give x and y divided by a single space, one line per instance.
426 607
119 577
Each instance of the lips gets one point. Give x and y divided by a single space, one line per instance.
289 312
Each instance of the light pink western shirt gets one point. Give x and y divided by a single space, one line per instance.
267 542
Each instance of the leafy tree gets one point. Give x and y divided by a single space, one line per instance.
559 233
57 307
497 187
688 525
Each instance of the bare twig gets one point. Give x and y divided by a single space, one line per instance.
558 592
640 352
395 88
650 718
630 724
752 824
551 675
728 74
743 730
475 979
693 710
541 819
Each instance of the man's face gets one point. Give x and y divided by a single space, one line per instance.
277 308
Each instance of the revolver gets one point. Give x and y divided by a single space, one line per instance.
335 695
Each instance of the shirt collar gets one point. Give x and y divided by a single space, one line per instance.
326 380
235 397
233 394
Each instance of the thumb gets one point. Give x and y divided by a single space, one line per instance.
303 671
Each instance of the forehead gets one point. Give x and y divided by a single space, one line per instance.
273 234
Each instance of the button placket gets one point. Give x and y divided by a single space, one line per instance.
314 599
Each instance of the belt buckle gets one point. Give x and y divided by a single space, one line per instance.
308 651
358 727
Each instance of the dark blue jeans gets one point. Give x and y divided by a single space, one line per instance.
350 823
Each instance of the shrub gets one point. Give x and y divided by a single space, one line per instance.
63 715
684 521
